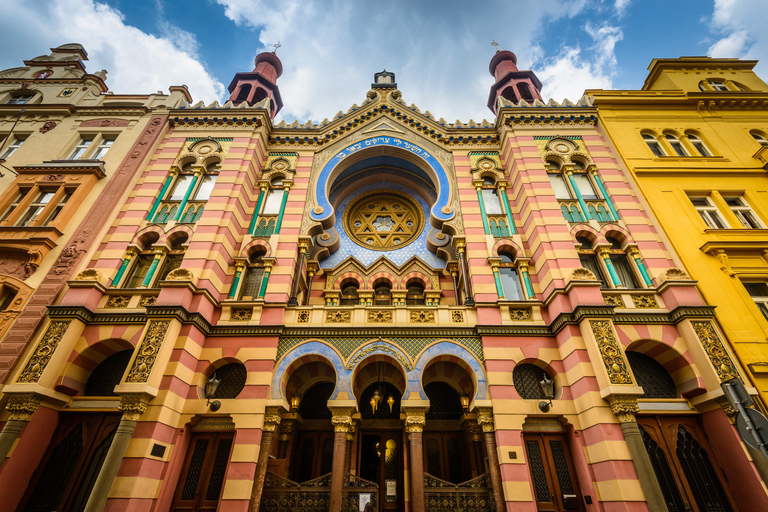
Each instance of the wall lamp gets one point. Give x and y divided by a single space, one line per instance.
295 401
548 388
210 391
465 402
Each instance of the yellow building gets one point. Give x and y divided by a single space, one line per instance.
695 140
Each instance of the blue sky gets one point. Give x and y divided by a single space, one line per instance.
439 49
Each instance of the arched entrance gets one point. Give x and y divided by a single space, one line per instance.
379 383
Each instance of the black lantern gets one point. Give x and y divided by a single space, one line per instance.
548 388
210 391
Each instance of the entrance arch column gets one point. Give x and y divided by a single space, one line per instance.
485 419
342 421
414 425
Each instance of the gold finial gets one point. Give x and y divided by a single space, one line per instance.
278 45
495 45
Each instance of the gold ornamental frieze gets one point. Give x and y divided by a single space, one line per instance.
614 361
715 349
43 352
150 346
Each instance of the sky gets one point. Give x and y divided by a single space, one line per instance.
439 50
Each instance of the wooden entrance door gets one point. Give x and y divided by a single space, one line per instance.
314 456
681 456
202 478
445 457
554 479
381 461
66 475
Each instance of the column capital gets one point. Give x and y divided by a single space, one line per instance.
604 252
23 405
272 419
475 431
485 419
133 405
624 407
239 266
159 252
341 423
286 429
130 253
633 251
522 265
415 422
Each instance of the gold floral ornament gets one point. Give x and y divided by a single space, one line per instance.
383 220
612 356
150 346
715 350
43 352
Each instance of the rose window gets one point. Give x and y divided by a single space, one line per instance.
383 220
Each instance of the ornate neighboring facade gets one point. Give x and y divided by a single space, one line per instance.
382 307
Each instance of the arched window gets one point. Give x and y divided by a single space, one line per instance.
274 197
621 264
173 259
654 145
415 295
698 145
142 263
526 378
382 295
590 261
7 295
259 95
525 91
491 197
556 178
676 145
242 95
510 280
232 380
254 274
760 138
349 294
196 197
21 98
652 376
509 94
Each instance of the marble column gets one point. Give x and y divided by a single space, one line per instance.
132 406
625 407
461 254
341 420
350 439
22 406
271 421
485 420
414 426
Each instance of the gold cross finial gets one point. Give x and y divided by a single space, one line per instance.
278 45
495 45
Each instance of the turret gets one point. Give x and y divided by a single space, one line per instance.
511 83
261 83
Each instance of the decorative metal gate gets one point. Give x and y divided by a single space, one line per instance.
284 495
474 495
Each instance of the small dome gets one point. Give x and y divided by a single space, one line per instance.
499 57
271 58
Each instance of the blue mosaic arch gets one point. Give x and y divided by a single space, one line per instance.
440 349
384 348
324 210
313 348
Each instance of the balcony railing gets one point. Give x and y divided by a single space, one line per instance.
474 495
168 210
284 495
597 209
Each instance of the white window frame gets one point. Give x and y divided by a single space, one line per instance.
718 85
676 145
760 301
744 212
13 146
81 148
759 138
20 99
698 145
651 141
709 212
105 143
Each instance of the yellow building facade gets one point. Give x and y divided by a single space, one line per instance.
694 139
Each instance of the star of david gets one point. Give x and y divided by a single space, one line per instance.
383 221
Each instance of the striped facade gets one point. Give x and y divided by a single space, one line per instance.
363 358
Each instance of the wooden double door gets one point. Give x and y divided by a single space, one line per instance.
554 479
381 461
685 466
202 477
66 475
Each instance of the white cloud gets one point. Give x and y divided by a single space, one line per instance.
137 62
740 24
621 7
440 53
571 72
